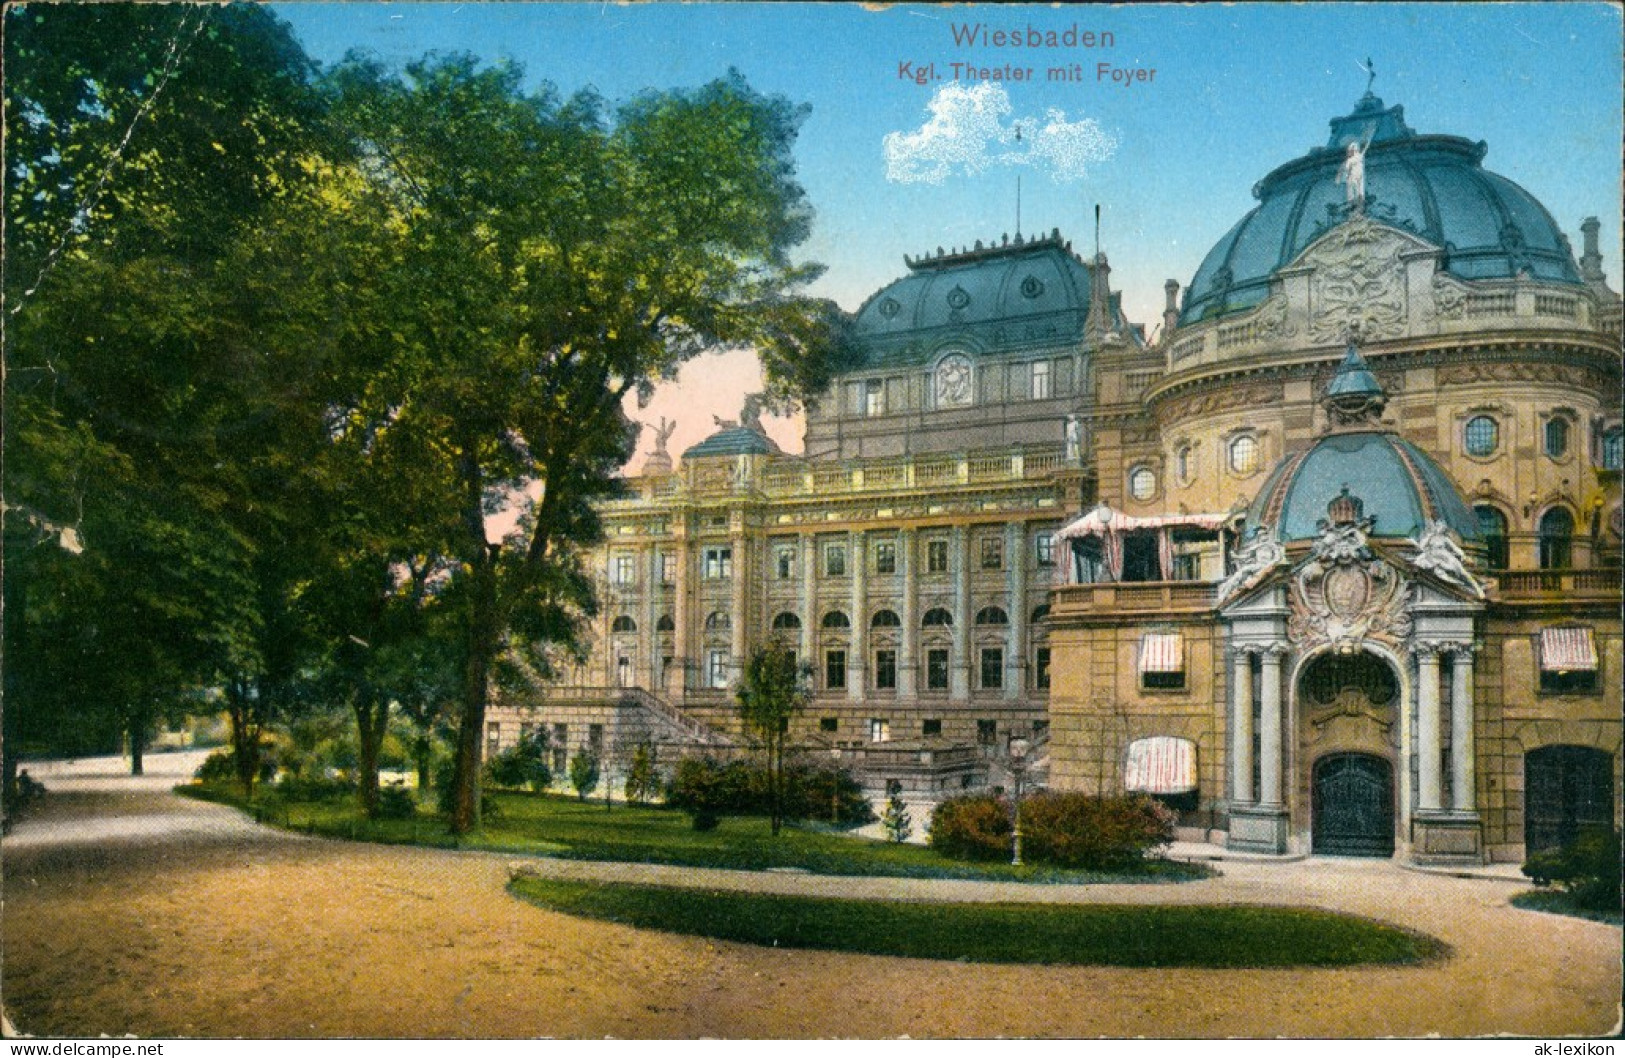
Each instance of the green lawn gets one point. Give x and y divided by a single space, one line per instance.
1557 902
1216 937
552 825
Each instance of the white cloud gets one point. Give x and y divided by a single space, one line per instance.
971 129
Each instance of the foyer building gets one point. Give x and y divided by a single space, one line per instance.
1332 566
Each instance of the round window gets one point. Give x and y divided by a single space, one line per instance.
1244 454
1482 435
1142 483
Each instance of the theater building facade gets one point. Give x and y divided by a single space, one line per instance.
1333 565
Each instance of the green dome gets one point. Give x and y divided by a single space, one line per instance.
1431 186
1018 294
1401 487
734 441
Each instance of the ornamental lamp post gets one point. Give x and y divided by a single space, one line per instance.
1018 747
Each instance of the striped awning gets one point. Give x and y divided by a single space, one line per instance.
1162 652
1567 650
1160 765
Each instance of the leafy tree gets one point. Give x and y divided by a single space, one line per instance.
523 765
584 772
642 780
143 142
770 693
541 260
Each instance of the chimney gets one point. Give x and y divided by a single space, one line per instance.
1591 260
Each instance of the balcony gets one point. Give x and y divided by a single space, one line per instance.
935 471
1162 596
1558 585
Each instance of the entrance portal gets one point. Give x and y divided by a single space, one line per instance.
1567 789
1353 806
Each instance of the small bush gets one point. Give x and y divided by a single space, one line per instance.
972 827
737 788
221 766
395 801
1588 869
321 788
896 819
583 773
642 780
522 765
1096 833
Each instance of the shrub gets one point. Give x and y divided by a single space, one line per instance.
1588 869
896 819
221 765
583 773
642 781
972 827
826 794
522 765
1097 833
318 788
395 801
709 788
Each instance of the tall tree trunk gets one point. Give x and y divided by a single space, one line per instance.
372 722
245 736
422 750
136 729
482 648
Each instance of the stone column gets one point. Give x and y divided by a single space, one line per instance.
1241 724
1429 793
857 663
1269 729
959 656
682 610
649 561
809 600
908 663
1462 750
1015 650
738 605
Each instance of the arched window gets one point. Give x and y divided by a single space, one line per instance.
665 624
1556 539
718 622
992 615
885 619
786 620
623 624
1040 613
1482 436
836 619
937 617
1557 437
1244 454
1613 448
1492 526
1142 483
1182 464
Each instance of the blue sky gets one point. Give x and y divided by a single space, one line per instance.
1237 90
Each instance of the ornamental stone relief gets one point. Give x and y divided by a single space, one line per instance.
1344 594
1185 408
1358 283
1449 297
1521 371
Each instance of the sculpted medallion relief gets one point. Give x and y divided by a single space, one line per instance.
1358 283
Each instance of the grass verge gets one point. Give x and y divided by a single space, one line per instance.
563 827
1557 902
1211 937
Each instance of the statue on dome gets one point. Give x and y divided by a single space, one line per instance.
1352 175
750 415
663 434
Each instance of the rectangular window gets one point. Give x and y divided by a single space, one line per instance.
885 557
886 670
1162 661
834 560
879 730
1568 660
493 738
1044 549
622 569
784 562
829 724
992 552
595 738
936 670
716 669
719 563
930 728
668 569
936 556
835 670
1040 390
987 732
1041 668
874 397
992 668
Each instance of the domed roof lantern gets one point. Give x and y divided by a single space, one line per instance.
1354 397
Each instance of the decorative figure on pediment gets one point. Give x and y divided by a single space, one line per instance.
1359 281
1438 553
1449 297
1272 321
1259 555
1352 175
1344 593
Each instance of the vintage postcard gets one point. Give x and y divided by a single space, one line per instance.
812 521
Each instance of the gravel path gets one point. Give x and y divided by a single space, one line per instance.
130 910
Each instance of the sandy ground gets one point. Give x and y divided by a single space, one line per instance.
130 911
